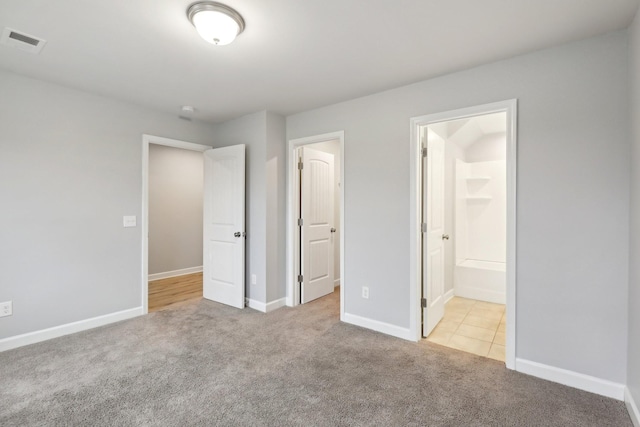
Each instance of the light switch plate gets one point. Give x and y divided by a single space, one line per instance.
129 221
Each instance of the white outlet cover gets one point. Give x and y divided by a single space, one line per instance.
129 221
6 308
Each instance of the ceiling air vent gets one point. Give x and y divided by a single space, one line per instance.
22 41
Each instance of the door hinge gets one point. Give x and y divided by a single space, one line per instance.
424 151
423 227
299 278
423 303
300 165
300 222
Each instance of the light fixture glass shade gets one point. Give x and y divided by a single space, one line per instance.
216 23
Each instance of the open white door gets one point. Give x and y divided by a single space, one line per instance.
433 232
224 234
317 224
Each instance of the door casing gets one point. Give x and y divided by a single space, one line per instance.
293 291
415 215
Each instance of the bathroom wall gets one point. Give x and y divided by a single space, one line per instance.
489 147
481 211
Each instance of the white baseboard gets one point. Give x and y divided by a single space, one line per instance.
174 273
448 295
69 328
265 308
632 407
385 328
571 379
480 294
336 282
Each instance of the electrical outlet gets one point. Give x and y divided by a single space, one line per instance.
365 292
254 279
6 308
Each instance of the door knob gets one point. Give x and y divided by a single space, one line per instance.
237 234
445 237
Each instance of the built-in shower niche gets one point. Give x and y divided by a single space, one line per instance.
480 230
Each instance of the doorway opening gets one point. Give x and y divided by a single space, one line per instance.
173 279
464 219
175 226
218 235
315 218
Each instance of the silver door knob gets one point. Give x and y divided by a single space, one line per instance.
237 234
445 237
333 230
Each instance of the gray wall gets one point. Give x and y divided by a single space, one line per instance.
175 208
70 168
251 130
573 196
276 207
263 133
633 375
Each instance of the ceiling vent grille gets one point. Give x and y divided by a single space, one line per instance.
22 41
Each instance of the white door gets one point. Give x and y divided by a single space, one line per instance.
223 251
317 224
433 232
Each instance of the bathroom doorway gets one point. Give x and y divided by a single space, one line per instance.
465 160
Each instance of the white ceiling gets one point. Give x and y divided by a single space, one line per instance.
293 56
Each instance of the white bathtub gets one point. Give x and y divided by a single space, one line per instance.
481 280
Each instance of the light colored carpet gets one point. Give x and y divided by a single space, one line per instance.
207 364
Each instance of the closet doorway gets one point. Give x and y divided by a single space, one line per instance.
315 220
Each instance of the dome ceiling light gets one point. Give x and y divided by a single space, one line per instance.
216 23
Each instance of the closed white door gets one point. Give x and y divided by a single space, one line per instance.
224 234
433 232
317 224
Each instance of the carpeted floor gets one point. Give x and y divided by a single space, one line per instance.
207 364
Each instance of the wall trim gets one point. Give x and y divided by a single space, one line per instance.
375 325
265 308
67 329
336 282
174 273
448 295
572 379
632 407
480 294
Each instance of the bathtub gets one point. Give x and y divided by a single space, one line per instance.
481 280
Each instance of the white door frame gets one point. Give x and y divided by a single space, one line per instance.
415 250
158 140
293 293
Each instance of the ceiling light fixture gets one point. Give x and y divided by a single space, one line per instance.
216 23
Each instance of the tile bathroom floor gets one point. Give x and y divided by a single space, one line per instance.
476 327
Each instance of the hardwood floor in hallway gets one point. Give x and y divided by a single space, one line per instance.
174 290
